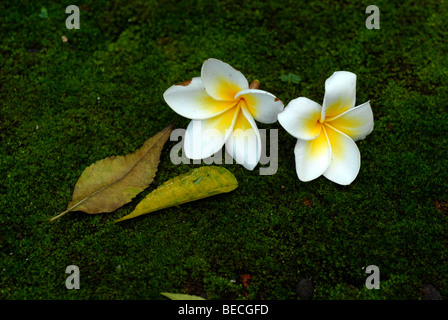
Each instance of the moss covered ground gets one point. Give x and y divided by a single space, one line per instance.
66 104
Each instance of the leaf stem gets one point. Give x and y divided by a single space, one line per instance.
72 207
59 215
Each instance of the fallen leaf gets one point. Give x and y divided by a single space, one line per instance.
196 184
180 296
112 182
245 279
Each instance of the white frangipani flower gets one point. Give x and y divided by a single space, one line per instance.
223 107
327 134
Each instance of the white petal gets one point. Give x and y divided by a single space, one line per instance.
300 118
262 105
345 157
222 81
190 100
244 145
357 122
340 94
312 157
203 138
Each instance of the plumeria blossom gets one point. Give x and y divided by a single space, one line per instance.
326 134
223 109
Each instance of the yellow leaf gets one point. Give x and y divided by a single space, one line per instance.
110 183
180 296
197 184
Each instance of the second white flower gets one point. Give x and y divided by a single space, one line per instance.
326 134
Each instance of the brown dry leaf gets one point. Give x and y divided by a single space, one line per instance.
110 183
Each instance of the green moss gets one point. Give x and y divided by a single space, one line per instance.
65 105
